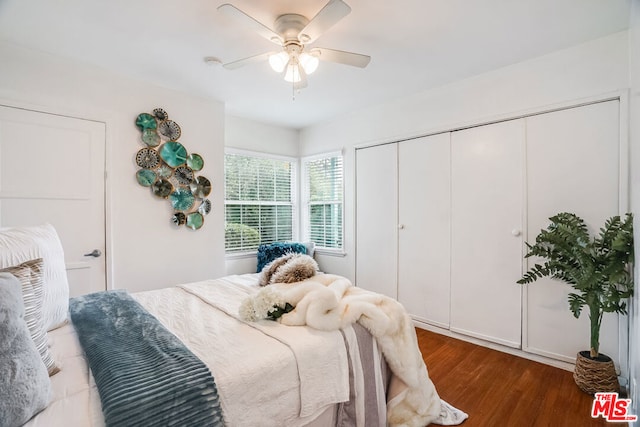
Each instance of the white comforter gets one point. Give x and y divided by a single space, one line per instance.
265 376
329 302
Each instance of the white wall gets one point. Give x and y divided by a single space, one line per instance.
585 70
250 135
634 132
147 251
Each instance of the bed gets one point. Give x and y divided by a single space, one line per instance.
315 366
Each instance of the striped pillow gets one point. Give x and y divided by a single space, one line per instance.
21 244
29 274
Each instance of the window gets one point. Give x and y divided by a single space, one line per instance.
259 200
323 190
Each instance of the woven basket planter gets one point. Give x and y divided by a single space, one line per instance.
593 376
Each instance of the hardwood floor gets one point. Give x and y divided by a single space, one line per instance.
499 389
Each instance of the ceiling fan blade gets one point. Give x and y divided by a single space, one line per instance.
246 61
328 16
251 23
341 57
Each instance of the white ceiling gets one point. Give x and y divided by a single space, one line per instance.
414 44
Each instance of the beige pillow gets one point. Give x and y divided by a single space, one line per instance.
21 244
29 274
290 268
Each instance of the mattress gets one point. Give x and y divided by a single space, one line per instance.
267 374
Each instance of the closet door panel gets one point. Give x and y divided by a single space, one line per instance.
377 219
572 166
424 230
486 224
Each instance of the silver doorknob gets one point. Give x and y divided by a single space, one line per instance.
96 253
516 232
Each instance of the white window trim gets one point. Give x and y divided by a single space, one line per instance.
331 252
304 204
243 152
295 163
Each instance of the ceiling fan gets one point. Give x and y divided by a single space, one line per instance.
293 32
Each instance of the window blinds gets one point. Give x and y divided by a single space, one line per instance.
258 201
324 201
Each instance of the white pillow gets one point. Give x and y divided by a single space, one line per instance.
311 248
21 244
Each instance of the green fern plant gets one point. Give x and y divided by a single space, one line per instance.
598 268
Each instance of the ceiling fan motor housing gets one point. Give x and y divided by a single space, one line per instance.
288 26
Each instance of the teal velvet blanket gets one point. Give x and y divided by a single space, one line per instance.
145 375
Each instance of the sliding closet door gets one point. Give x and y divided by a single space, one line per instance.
377 219
573 159
423 232
486 224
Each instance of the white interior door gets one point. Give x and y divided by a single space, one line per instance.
52 169
424 235
377 219
573 159
486 224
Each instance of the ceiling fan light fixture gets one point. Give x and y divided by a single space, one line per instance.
279 61
293 74
309 62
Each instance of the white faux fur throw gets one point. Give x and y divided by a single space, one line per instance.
330 302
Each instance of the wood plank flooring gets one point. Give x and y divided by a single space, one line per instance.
499 389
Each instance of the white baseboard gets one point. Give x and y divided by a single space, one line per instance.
505 349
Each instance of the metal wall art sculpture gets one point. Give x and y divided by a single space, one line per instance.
170 171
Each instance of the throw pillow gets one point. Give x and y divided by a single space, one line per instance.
289 268
311 248
24 384
20 244
29 274
269 252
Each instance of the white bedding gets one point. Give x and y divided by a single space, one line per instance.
330 302
258 376
322 374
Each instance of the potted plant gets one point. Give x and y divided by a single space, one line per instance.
599 270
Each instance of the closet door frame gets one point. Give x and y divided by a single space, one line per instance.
624 199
